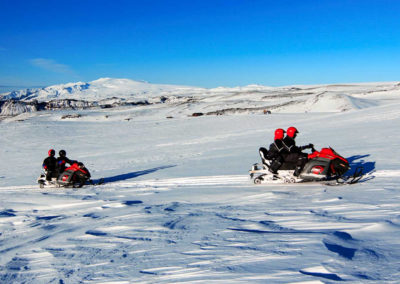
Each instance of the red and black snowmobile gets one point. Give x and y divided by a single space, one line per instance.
325 165
74 176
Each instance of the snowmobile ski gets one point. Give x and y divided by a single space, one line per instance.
348 180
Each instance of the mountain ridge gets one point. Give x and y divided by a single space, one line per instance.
186 100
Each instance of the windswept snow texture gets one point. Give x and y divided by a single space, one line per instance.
177 205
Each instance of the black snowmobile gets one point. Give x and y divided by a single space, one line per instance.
326 166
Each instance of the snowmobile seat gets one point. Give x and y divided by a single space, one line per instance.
264 154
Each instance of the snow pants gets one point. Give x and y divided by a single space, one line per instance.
51 174
299 159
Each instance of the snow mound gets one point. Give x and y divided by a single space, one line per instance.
336 103
326 102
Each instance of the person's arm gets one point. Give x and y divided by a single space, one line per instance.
70 162
44 165
309 146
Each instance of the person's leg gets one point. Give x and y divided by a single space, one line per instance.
49 175
301 161
276 164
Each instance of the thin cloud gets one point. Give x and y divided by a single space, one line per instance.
51 65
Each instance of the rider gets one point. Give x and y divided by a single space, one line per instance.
62 160
295 155
50 165
277 151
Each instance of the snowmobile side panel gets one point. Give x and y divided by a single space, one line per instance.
317 166
66 177
339 166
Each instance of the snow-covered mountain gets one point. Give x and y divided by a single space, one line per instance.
178 205
107 92
98 90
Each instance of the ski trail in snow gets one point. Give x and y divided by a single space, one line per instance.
387 173
192 181
228 180
177 182
19 187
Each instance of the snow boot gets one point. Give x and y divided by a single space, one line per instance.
297 171
275 165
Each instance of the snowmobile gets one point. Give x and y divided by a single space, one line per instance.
322 166
64 180
71 177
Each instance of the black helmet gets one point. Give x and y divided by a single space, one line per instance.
62 153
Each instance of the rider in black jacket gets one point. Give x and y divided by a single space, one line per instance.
50 165
62 160
295 155
277 151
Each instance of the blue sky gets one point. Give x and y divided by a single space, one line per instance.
200 42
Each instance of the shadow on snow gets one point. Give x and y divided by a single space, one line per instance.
358 161
131 175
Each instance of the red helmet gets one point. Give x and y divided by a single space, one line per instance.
279 133
291 131
51 153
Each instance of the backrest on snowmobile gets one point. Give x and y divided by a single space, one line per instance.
338 164
263 154
66 177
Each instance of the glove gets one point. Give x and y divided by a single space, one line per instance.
309 146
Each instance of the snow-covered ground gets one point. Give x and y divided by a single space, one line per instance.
178 205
